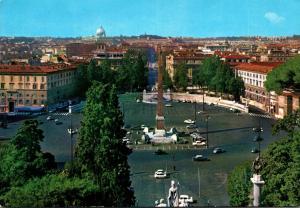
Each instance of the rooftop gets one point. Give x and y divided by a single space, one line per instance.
28 69
259 67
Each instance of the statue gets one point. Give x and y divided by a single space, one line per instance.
256 165
173 198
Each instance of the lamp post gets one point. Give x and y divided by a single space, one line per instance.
70 131
206 119
203 100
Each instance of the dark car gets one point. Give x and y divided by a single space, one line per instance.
160 152
218 150
200 158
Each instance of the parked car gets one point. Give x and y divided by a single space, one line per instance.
160 174
218 150
254 150
185 198
199 143
49 118
160 152
191 126
57 122
200 158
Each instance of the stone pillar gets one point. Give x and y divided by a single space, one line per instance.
257 184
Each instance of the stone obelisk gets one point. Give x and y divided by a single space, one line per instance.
160 127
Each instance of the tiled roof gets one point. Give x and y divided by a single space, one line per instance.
259 67
27 69
236 57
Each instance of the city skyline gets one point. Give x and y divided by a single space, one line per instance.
165 18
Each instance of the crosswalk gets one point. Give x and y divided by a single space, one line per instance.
61 114
260 115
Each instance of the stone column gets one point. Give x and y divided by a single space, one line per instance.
257 184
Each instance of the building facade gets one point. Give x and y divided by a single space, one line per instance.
190 59
254 75
288 102
25 85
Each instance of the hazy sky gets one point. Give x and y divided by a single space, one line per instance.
197 18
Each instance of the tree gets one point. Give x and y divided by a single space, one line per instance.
53 190
167 81
92 72
82 82
180 77
100 150
281 165
236 87
22 159
209 67
140 73
280 168
199 77
284 76
239 185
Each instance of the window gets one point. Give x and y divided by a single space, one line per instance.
11 86
34 102
27 101
34 86
11 78
20 101
20 78
43 79
34 78
2 85
42 86
27 78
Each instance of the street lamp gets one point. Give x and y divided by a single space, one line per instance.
71 132
257 138
206 119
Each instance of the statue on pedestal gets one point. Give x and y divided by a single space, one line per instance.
173 198
256 165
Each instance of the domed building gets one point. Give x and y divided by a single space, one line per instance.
100 33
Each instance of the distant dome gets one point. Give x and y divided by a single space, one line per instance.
100 32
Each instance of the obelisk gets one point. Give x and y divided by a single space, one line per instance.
160 127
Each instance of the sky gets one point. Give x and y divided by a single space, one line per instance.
189 18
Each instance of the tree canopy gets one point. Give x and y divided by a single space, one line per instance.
53 190
286 75
217 76
239 185
180 77
22 159
280 169
130 75
100 151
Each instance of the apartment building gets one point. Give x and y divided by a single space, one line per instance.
254 75
25 85
192 59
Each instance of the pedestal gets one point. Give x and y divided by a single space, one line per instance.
257 184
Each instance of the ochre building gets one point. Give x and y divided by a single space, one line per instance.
25 85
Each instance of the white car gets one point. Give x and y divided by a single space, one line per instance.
185 199
199 143
160 174
189 121
49 118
